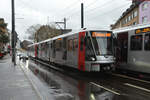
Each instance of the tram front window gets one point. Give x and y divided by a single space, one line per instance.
102 43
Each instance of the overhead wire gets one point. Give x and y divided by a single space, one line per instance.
74 11
92 3
90 9
104 5
71 8
110 11
79 9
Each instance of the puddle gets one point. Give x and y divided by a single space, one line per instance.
66 88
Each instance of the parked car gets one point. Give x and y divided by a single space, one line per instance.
22 56
1 55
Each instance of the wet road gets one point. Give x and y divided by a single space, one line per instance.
78 86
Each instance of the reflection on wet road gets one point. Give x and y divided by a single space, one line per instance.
75 86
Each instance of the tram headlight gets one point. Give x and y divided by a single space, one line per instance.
93 59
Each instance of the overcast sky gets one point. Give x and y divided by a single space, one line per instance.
98 13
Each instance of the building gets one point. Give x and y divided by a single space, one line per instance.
24 44
3 30
3 26
144 12
46 32
131 16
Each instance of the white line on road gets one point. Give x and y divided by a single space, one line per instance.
131 78
105 88
137 87
30 80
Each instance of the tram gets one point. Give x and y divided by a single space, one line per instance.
133 48
86 50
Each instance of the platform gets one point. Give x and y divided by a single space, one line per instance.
14 85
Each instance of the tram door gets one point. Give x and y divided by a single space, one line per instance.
122 47
64 49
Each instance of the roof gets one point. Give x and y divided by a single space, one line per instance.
67 34
134 5
134 27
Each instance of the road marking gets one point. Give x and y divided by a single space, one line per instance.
31 82
105 88
131 78
137 87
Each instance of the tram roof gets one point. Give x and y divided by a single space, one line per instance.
68 34
75 32
32 44
129 28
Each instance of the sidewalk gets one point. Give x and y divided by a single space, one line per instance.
14 85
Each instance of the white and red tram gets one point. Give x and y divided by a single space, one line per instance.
86 50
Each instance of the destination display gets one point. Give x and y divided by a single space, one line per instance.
98 34
142 30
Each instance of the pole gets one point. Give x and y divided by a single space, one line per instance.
64 23
47 20
13 33
82 16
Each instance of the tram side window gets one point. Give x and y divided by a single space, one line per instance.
58 45
88 49
147 42
64 43
51 45
54 49
136 42
75 43
70 45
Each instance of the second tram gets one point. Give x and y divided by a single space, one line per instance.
133 48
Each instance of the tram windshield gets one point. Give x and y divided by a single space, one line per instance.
102 43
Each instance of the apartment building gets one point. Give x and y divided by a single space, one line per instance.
137 13
144 12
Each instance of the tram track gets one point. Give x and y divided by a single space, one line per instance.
128 77
113 74
114 83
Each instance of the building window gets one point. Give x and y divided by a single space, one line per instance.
145 6
134 23
134 14
147 42
126 20
136 42
129 18
122 22
144 19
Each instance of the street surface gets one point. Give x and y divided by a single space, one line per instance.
72 85
31 80
14 85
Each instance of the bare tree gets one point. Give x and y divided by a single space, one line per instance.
47 31
31 31
41 32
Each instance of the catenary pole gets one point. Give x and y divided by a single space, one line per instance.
82 16
13 33
64 23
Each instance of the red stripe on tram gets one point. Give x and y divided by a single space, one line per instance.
81 54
